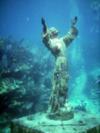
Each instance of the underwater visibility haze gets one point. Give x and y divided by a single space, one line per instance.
27 63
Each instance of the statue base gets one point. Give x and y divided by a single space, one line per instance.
39 123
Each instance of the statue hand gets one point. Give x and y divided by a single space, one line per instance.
43 21
74 21
44 25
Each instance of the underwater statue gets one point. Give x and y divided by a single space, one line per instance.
58 104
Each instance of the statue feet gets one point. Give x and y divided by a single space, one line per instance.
64 113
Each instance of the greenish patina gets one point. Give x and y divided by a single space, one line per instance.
58 106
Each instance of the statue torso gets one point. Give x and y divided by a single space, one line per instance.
57 46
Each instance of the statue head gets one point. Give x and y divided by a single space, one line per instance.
53 32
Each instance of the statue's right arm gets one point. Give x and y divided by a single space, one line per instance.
45 35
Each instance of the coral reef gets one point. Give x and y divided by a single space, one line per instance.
94 84
24 82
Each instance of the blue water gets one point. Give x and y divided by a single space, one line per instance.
22 19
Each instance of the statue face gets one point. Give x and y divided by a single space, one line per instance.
53 32
53 35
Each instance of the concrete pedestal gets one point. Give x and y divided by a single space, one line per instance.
39 123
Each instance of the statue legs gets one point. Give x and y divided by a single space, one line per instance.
59 89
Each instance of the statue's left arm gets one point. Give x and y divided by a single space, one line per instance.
72 34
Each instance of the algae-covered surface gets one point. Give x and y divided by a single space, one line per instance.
27 66
39 123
